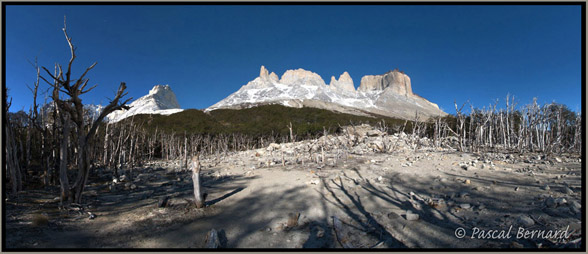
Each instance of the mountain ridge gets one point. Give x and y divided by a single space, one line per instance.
389 94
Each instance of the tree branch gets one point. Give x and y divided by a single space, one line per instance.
73 53
111 107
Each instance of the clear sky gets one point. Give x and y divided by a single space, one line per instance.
205 53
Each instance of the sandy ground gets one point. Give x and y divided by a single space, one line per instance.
256 205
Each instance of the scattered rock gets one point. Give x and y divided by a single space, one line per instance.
91 216
557 159
314 182
568 191
575 207
465 206
410 216
526 220
516 188
392 215
546 187
212 240
273 147
560 201
550 202
467 181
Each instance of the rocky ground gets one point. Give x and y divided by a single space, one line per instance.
362 189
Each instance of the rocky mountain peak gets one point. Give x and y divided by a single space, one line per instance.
395 80
162 95
160 100
301 77
263 73
274 77
344 83
389 94
160 89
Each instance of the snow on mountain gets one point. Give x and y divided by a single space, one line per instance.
389 94
294 85
160 100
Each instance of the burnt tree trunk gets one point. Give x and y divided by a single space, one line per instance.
63 180
199 197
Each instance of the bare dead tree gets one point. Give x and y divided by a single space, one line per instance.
199 196
74 88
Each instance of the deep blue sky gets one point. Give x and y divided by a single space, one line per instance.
475 53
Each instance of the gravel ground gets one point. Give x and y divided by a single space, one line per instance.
384 191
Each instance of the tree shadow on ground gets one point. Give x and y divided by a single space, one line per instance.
367 223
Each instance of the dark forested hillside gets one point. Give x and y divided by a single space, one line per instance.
257 121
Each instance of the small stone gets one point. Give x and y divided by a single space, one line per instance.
516 188
465 206
392 215
575 204
560 201
467 181
92 216
568 191
464 167
557 159
575 207
133 186
410 216
546 187
526 220
550 202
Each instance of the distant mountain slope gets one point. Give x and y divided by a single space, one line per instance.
160 100
389 94
256 121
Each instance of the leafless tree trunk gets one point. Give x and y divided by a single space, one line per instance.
199 197
63 179
74 107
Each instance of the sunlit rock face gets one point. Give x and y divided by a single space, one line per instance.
395 80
